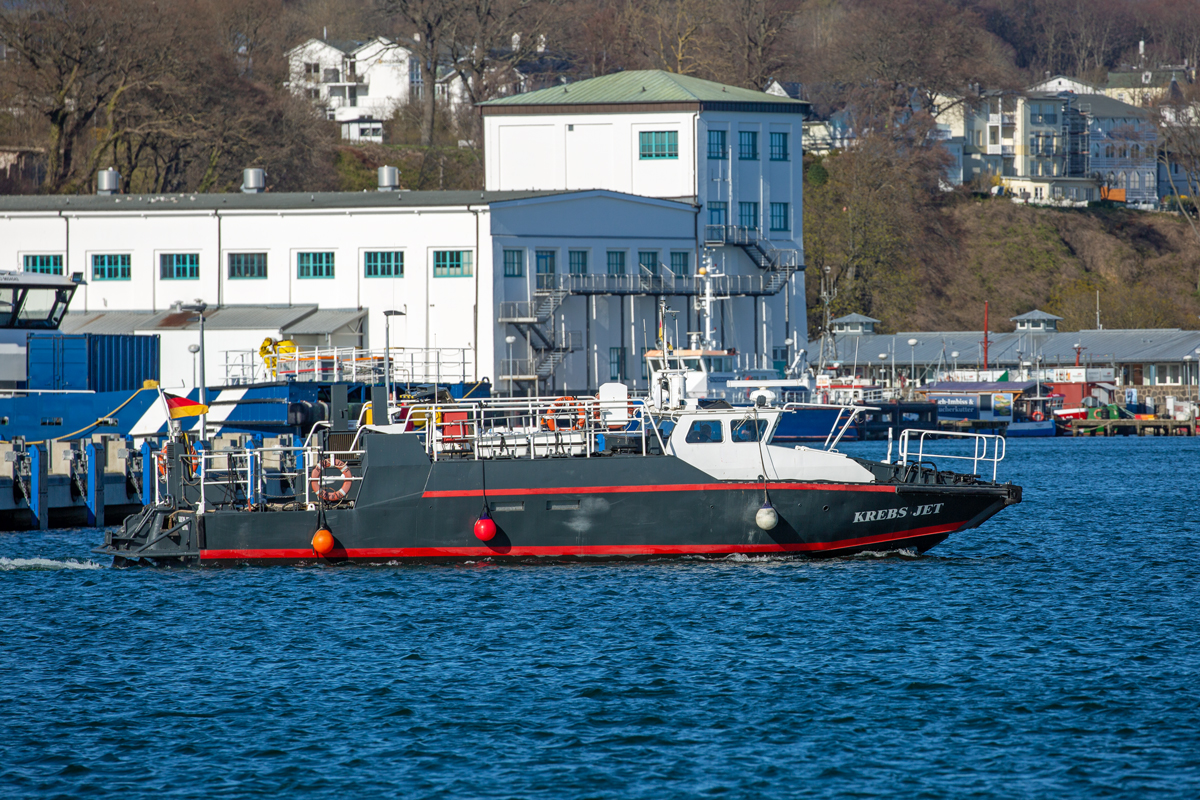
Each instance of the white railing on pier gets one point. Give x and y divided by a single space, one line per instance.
347 364
988 448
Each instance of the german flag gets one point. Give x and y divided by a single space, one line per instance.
179 407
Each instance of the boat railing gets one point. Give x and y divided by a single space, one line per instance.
350 364
847 415
987 448
240 477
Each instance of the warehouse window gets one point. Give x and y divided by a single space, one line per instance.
384 264
616 262
748 215
179 266
545 262
247 265
658 144
779 147
47 265
110 267
452 263
649 260
718 213
680 263
780 217
616 363
577 262
514 263
748 145
717 146
314 265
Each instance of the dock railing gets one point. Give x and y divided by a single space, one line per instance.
988 448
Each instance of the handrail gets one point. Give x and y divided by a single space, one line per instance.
854 412
999 448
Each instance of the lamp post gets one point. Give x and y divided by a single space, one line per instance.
193 349
198 308
954 355
882 361
508 340
912 363
387 358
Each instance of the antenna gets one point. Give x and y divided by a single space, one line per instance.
1099 327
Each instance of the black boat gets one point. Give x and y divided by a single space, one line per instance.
552 479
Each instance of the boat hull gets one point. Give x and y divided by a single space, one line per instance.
1045 427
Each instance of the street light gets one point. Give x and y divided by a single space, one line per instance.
882 361
198 308
508 340
954 355
912 362
193 349
387 359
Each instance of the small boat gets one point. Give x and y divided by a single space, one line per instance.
1034 415
555 479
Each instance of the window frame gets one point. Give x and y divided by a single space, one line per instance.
398 259
721 151
616 364
189 266
693 434
332 265
783 218
620 255
686 257
783 152
514 268
651 148
126 268
229 266
464 269
743 206
642 259
721 206
577 262
44 269
748 146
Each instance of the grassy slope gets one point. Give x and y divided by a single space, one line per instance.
1022 257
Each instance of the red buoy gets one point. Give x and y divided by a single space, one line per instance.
485 529
322 542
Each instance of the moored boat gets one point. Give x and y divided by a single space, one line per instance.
555 479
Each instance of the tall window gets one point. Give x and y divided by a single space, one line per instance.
47 265
113 267
514 263
779 147
247 265
452 263
616 262
577 262
658 144
681 263
718 213
545 262
384 264
781 217
649 260
748 145
314 265
718 146
179 266
748 215
616 363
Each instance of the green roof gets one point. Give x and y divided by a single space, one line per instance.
646 86
1134 80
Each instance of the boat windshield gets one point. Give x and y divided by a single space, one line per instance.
748 430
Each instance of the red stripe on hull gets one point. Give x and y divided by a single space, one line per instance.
580 550
670 487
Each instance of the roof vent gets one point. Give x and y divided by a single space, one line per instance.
253 181
108 181
389 179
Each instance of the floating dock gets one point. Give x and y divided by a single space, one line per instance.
1132 427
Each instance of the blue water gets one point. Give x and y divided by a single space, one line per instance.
1053 653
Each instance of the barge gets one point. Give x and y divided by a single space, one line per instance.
555 479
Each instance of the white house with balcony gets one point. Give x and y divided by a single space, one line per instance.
734 154
360 84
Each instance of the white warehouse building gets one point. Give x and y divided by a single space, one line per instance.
567 263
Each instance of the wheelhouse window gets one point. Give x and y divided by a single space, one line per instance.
718 146
616 262
748 430
314 265
452 264
110 267
779 147
247 265
45 264
704 432
514 263
748 145
654 145
384 264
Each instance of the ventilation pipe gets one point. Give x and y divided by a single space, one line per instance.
389 179
108 181
253 181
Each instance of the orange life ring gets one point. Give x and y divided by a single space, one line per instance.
1037 416
162 462
330 495
575 421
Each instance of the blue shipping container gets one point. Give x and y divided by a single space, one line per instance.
90 361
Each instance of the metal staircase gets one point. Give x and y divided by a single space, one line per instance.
534 320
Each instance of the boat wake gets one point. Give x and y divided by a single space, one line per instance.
44 564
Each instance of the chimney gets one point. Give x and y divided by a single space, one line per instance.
253 181
389 179
108 181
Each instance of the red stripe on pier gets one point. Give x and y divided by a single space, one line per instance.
582 550
666 487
